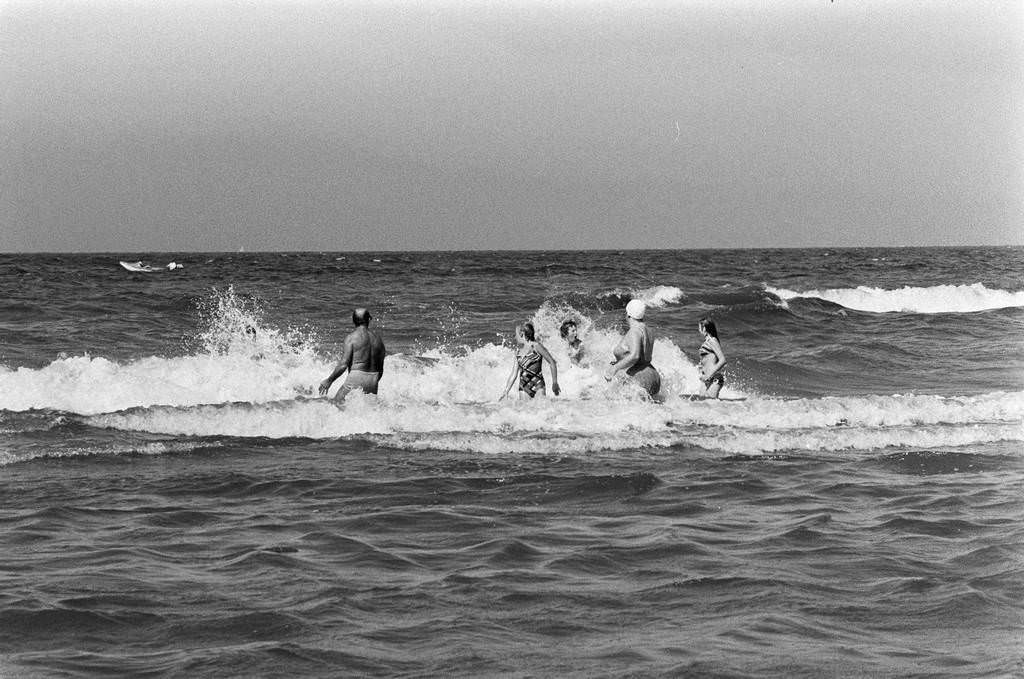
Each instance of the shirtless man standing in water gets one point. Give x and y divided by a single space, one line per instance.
363 357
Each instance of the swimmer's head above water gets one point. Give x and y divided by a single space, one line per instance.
636 310
526 331
361 316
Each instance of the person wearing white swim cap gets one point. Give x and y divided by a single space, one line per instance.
636 309
633 353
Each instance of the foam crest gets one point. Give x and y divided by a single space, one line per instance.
135 448
654 296
88 385
237 356
937 299
659 295
614 421
769 442
362 415
900 410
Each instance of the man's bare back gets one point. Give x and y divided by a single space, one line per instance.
365 350
362 356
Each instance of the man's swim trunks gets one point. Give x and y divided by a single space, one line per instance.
357 379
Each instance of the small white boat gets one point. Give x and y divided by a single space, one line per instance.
139 267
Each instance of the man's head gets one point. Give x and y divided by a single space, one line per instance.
361 317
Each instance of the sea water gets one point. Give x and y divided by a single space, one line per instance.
177 500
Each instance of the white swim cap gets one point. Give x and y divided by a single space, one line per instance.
636 309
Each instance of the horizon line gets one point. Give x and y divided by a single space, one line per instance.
515 250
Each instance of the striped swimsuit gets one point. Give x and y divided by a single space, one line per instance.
531 380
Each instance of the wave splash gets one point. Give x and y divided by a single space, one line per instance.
239 358
236 356
939 299
248 379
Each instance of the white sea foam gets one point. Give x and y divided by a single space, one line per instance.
937 299
659 295
614 422
654 296
88 385
247 380
91 385
444 401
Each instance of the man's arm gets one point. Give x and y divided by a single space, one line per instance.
343 365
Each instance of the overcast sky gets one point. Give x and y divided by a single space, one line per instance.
215 125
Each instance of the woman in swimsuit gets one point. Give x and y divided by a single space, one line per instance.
573 344
712 359
633 353
529 358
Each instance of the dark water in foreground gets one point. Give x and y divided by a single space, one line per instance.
175 501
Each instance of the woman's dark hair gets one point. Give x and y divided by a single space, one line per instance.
528 331
709 325
564 330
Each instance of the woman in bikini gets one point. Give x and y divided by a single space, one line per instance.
633 353
529 358
712 359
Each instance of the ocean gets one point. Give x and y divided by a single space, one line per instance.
177 501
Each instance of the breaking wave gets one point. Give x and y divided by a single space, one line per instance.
939 299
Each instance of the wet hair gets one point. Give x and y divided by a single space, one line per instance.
564 330
528 332
709 325
361 317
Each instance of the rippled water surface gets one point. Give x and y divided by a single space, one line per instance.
176 500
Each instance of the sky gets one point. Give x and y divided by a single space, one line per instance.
216 125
